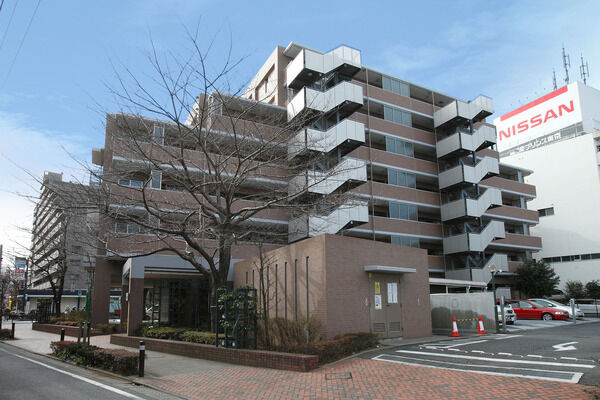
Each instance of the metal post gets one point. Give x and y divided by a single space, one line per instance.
62 334
572 302
495 311
142 357
12 331
85 331
503 314
79 333
89 332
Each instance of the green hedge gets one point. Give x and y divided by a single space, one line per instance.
339 347
116 360
180 334
5 334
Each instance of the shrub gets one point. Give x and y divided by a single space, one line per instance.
285 333
74 317
199 337
107 328
164 332
116 360
5 334
339 347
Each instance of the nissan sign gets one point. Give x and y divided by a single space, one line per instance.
541 117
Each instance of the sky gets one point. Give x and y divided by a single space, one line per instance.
59 59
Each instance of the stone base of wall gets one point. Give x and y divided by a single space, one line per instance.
69 330
252 358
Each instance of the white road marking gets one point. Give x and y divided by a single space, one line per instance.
507 337
557 364
568 358
505 354
575 377
565 346
479 351
534 355
438 346
81 378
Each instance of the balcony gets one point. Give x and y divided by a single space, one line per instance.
346 216
346 97
309 65
347 135
471 207
349 171
500 261
485 167
463 142
468 242
475 110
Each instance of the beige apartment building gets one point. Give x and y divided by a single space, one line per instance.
419 201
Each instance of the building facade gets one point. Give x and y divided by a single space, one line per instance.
558 137
63 243
417 196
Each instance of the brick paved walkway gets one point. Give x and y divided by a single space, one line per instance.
369 380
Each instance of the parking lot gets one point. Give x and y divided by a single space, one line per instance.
528 324
566 352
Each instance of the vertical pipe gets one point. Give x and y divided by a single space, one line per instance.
142 358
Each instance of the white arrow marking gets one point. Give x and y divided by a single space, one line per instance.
565 346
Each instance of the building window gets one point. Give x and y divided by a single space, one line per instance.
398 146
159 134
399 178
156 179
130 183
122 227
405 241
398 116
403 211
544 212
396 86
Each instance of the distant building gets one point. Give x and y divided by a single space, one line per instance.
62 238
558 137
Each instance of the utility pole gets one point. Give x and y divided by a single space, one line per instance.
584 70
566 64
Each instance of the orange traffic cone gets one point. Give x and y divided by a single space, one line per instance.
481 329
454 328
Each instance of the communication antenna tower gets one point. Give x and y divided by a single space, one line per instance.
584 70
566 64
554 78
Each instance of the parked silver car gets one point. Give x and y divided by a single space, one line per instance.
559 306
509 313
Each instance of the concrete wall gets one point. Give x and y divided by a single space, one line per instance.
466 307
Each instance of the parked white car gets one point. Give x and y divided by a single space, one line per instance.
557 305
509 313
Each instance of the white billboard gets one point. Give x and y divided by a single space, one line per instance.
548 114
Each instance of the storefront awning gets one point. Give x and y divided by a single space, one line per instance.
388 270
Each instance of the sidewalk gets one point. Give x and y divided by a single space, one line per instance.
348 379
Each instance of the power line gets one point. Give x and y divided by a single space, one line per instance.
22 41
8 25
1 4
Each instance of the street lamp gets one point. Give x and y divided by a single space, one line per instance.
493 270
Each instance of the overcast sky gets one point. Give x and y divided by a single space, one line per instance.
57 59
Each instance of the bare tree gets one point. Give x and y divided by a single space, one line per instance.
6 282
196 174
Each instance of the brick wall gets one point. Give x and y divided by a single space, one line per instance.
69 330
252 358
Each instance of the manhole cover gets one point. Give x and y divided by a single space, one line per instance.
338 375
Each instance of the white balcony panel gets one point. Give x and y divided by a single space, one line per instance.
355 212
312 99
321 63
466 141
327 182
481 106
468 242
480 274
324 142
472 207
469 174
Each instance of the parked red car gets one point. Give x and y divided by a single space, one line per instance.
526 309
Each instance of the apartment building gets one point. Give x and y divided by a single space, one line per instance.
558 137
63 246
418 199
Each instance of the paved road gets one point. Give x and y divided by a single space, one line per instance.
567 353
528 324
28 376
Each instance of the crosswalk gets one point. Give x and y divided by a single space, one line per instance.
450 355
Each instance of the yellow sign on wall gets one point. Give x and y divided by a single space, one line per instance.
377 288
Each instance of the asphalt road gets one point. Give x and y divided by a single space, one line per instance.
566 353
28 376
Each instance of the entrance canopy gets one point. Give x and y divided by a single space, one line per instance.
388 269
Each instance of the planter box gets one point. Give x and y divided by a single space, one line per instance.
252 358
69 330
